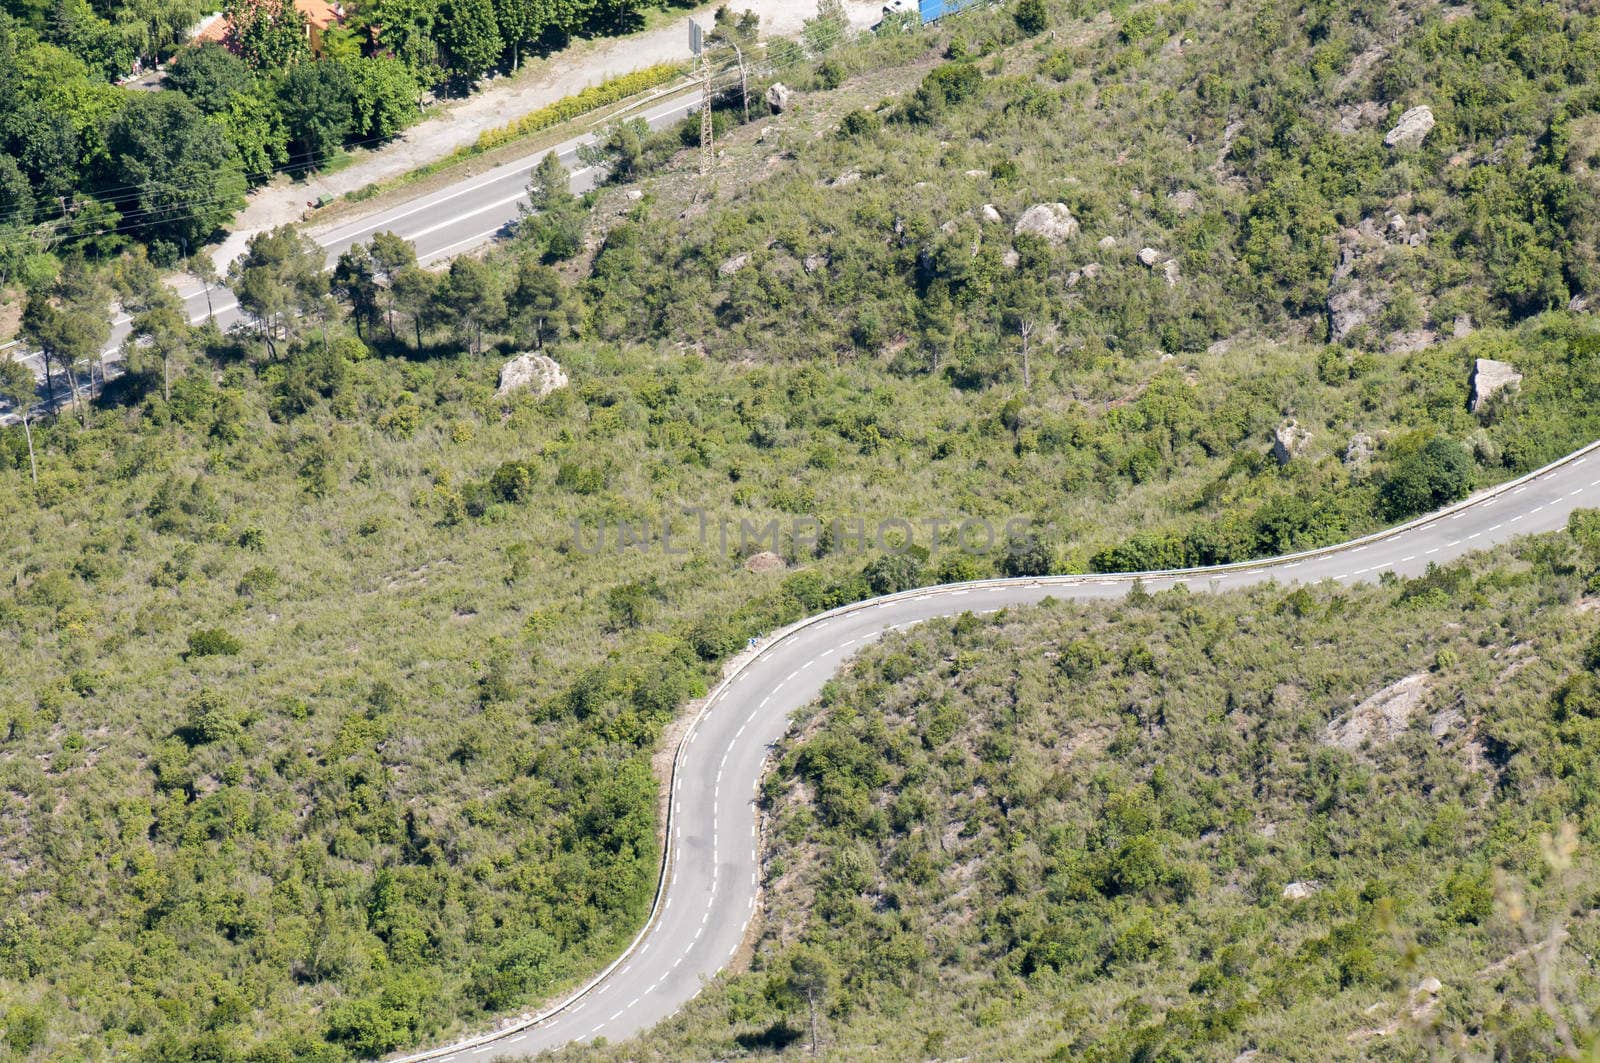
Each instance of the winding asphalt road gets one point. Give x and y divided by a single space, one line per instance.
712 873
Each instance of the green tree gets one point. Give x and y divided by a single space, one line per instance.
540 306
189 177
210 718
620 149
1032 17
18 387
316 102
210 76
383 98
808 979
269 34
1437 473
471 301
278 280
355 279
470 37
390 255
405 30
255 125
415 293
165 332
553 218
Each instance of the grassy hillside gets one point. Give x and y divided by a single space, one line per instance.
310 686
1312 824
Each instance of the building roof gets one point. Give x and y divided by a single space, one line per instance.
319 15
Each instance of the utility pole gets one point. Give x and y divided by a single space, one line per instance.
697 47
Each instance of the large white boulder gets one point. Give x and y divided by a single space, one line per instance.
1051 221
1489 378
538 373
1412 128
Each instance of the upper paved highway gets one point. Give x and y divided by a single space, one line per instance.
713 873
439 225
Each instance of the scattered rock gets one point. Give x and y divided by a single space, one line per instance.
849 177
1578 304
1348 310
1084 273
635 194
1397 223
1425 999
1411 340
1184 201
1010 260
988 213
1107 242
765 561
1299 891
1148 257
778 95
538 373
1360 451
733 265
1490 377
1354 117
1412 128
1169 269
975 174
1445 722
1289 441
1380 718
1462 326
1051 221
812 263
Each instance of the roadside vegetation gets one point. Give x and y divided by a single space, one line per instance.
89 167
1182 827
324 730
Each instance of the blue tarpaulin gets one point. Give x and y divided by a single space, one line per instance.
932 9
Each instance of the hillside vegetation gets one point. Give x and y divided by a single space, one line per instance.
1317 823
323 728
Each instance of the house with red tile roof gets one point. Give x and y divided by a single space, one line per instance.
319 15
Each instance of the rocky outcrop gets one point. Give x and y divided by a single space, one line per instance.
1361 449
733 265
765 561
1381 718
1412 129
1052 222
1166 265
1489 378
1289 441
812 263
1087 272
537 373
1183 201
778 96
1299 891
988 213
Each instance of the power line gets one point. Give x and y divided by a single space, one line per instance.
827 36
115 195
